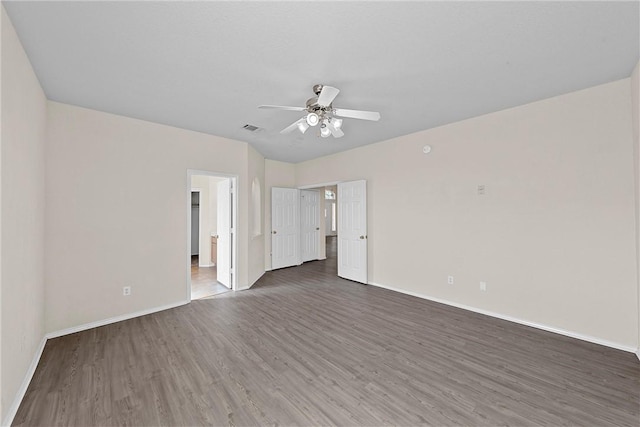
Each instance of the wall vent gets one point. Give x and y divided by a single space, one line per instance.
250 128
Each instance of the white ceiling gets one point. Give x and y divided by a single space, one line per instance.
206 66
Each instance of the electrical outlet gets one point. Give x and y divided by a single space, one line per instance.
483 286
126 290
450 280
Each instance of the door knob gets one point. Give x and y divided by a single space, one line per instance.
317 228
274 232
362 237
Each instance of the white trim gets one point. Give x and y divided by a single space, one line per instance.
312 186
13 409
638 354
515 320
110 320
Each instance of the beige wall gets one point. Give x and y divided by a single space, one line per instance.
635 115
22 225
276 174
102 233
553 236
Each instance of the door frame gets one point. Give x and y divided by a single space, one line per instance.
326 184
234 218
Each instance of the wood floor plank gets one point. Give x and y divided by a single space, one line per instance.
304 347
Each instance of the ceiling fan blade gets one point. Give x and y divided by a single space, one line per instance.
292 126
357 114
282 107
337 133
327 95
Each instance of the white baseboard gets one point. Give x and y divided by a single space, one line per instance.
13 409
110 320
515 320
205 265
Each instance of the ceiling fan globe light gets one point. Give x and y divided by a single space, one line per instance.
337 123
325 132
302 127
312 119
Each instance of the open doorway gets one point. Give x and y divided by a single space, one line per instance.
328 223
290 232
330 213
195 224
348 220
211 237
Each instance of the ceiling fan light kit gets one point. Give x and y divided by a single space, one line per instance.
302 126
313 119
320 110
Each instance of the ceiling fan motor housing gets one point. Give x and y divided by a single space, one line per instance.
314 107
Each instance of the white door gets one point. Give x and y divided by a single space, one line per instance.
285 227
225 203
352 230
309 224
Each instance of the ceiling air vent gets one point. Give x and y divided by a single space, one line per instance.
250 128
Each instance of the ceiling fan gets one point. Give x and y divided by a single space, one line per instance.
320 112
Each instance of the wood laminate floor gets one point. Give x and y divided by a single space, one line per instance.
303 348
204 281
